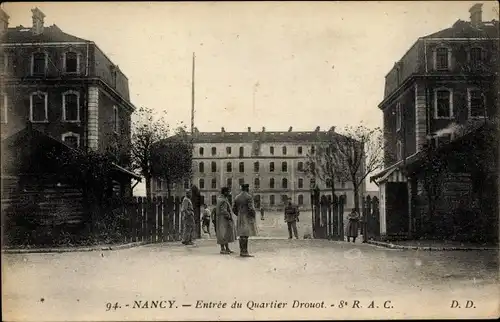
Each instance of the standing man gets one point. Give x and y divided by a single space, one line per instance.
244 208
291 217
206 219
187 212
225 228
261 213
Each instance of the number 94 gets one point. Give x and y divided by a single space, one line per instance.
110 306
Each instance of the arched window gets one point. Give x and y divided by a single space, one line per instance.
229 167
214 200
271 183
38 107
256 166
202 183
312 183
284 150
299 150
214 150
71 106
214 166
71 139
271 166
271 150
284 183
242 151
256 183
271 200
242 167
284 167
301 199
201 167
301 183
201 150
214 183
300 166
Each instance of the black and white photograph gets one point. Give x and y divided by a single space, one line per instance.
244 160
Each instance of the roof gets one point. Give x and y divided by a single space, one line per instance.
21 34
263 137
464 29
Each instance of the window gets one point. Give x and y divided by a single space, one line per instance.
214 166
313 149
284 167
256 166
284 150
301 183
229 183
342 185
271 183
242 167
214 183
476 57
201 151
4 103
70 62
71 106
300 166
116 119
399 150
256 183
284 183
301 200
271 150
328 183
442 58
158 184
299 150
271 200
39 64
476 103
398 116
71 139
312 183
271 167
257 201
241 181
228 150
242 151
38 107
202 183
186 184
214 150
229 167
201 167
214 200
443 103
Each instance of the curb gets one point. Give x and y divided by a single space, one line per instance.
73 250
429 248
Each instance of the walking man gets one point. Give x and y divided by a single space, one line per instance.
187 212
291 217
244 208
225 229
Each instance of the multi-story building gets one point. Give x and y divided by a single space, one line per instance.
65 87
445 80
272 163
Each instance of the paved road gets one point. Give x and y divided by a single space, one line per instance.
77 286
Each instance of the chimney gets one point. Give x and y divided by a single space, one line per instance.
476 14
317 129
249 129
38 17
290 129
4 23
332 129
222 130
263 129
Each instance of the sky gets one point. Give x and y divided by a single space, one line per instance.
315 63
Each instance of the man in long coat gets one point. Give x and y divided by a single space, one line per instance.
244 208
187 213
224 223
291 217
353 225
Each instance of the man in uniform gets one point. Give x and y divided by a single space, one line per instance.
244 208
187 213
291 218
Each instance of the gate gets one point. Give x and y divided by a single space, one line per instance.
371 212
327 216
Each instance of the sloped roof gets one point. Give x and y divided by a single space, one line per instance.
263 137
50 34
464 29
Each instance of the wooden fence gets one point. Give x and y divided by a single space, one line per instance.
327 217
371 215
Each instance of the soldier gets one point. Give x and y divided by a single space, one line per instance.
225 228
291 217
243 207
187 212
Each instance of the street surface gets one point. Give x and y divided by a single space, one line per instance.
79 286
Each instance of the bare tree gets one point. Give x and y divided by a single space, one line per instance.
146 133
360 150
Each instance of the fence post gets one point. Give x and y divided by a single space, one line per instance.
169 219
177 221
159 230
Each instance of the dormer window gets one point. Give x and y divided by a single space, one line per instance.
39 64
443 103
71 139
71 62
442 58
476 57
71 103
